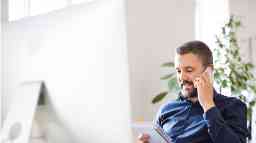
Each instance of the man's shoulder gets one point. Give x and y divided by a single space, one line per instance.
172 105
223 101
169 108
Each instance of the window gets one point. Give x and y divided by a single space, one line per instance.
80 1
1 69
18 9
43 6
210 16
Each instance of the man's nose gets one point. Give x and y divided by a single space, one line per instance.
183 76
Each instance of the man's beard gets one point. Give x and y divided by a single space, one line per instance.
188 94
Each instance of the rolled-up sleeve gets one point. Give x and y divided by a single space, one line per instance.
230 127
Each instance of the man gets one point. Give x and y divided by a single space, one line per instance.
200 114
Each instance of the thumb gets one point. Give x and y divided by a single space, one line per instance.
144 137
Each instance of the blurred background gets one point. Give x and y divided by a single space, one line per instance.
100 59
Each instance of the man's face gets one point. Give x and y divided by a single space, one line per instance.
188 67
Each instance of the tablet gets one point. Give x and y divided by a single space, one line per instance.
148 128
162 133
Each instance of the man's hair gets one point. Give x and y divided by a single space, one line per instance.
198 48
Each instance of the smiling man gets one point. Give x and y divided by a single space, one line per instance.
200 114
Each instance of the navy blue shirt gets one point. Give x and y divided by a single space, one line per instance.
186 122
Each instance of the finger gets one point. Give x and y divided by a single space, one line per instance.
143 142
197 82
146 136
143 137
205 77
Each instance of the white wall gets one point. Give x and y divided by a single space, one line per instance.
81 54
245 9
155 29
1 47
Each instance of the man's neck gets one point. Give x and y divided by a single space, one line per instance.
193 99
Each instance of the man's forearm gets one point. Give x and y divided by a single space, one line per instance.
219 130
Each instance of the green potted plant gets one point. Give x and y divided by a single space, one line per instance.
230 71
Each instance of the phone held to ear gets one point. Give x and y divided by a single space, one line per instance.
208 71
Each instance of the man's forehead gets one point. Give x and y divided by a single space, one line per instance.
187 60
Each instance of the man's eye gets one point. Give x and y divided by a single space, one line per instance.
178 71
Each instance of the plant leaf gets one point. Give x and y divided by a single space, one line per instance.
159 97
168 64
167 76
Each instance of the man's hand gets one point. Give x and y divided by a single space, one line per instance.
143 138
204 86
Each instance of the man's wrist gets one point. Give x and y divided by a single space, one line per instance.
208 106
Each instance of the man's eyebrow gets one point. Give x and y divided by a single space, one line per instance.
189 67
186 67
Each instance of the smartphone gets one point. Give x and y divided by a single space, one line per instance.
209 72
